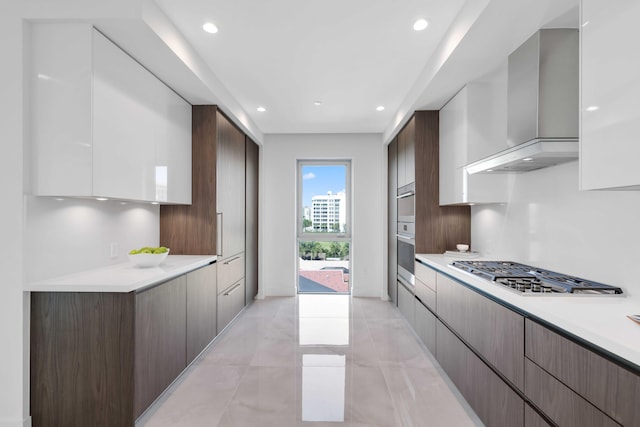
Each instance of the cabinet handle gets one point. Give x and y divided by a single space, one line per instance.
231 261
230 291
219 233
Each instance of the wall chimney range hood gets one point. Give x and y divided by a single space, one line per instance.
542 105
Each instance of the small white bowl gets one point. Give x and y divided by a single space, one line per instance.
148 260
462 248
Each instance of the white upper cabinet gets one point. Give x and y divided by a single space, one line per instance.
470 128
610 90
102 125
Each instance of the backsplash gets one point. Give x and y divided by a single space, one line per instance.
64 236
549 223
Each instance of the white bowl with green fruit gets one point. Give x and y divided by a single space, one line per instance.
148 256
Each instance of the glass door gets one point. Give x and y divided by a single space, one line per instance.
323 226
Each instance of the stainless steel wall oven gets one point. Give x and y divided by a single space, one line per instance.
406 234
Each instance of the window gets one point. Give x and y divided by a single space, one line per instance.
323 226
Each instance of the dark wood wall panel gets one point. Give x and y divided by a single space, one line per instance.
437 228
82 347
191 230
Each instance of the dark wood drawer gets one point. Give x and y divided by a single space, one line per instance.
425 326
532 418
230 270
561 404
494 331
612 389
491 398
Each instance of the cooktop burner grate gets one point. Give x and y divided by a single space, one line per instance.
526 279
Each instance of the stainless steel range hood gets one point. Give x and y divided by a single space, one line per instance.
542 105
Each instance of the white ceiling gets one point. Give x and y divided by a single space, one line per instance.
285 54
351 55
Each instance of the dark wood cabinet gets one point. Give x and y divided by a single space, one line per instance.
160 329
533 419
598 380
425 326
230 169
406 154
561 404
100 358
494 331
438 228
82 359
495 403
192 229
406 304
251 220
392 221
230 303
201 310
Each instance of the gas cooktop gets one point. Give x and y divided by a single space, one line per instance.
527 280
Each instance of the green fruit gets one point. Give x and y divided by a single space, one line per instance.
133 252
146 251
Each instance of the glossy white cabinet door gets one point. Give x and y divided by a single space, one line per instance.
124 125
453 148
60 104
103 125
610 95
467 133
173 152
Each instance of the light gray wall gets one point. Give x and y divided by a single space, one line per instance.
278 206
549 223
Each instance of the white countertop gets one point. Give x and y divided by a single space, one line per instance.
599 320
123 277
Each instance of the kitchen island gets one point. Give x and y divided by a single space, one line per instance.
106 343
555 358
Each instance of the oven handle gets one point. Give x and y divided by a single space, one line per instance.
410 240
407 194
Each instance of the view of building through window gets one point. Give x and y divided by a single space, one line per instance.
323 243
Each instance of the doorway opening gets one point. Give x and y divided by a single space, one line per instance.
323 231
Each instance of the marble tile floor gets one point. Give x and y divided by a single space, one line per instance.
313 360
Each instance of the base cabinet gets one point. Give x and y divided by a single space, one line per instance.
406 304
160 329
230 303
101 358
532 418
491 398
201 310
561 404
425 326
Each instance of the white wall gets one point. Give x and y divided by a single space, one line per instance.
13 316
549 223
278 205
71 235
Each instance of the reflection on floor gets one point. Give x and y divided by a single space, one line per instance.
313 360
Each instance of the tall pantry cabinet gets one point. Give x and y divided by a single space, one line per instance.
214 224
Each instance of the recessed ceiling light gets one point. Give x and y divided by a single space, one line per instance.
489 170
261 109
527 159
101 199
317 103
420 24
379 108
592 108
210 28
